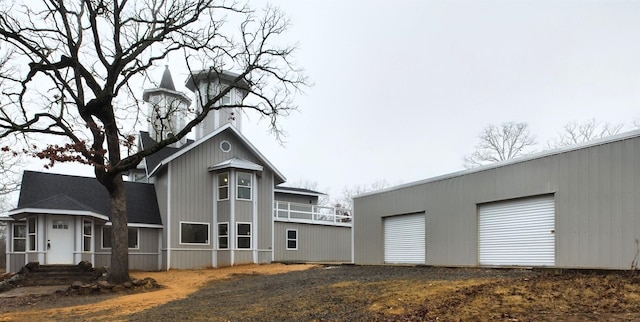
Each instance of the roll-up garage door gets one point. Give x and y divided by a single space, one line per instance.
518 233
404 239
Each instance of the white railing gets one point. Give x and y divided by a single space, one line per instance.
304 213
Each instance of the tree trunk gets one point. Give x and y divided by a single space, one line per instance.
119 270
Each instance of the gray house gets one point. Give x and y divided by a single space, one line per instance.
211 202
575 207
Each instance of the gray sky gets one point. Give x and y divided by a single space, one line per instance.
402 88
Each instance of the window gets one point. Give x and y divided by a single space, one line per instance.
133 237
19 237
244 185
194 233
292 239
60 224
225 146
223 235
31 233
244 235
223 186
87 235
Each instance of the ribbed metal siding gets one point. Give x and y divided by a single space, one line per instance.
519 233
404 239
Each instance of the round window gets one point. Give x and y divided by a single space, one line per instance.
225 146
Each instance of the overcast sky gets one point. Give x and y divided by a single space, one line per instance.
403 88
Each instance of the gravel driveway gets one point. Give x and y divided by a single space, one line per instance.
343 293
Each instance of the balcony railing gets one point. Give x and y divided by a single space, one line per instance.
311 214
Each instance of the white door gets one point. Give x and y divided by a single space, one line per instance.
518 233
60 231
404 239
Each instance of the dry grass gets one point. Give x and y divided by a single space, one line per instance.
178 285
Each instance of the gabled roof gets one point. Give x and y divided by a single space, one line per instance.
153 160
279 177
236 163
55 193
298 191
534 156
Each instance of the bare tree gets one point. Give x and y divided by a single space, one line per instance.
575 132
79 60
323 200
346 200
499 143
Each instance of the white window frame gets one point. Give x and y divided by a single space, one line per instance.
85 235
208 241
238 185
221 186
238 236
128 229
287 239
14 238
221 236
32 246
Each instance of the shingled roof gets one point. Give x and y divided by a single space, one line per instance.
64 192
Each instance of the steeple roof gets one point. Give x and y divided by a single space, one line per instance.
167 80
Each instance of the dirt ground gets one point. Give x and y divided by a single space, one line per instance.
353 293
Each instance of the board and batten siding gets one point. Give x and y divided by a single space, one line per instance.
144 258
316 243
597 199
192 196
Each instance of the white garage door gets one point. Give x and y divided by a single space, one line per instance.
519 233
404 239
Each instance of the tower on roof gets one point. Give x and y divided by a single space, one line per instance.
167 109
209 83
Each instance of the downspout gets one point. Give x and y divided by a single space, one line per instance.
273 218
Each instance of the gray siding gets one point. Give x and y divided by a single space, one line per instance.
316 243
597 194
192 199
16 262
145 258
286 197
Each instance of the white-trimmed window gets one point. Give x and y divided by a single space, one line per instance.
19 237
292 239
223 186
133 237
194 233
87 235
243 185
60 224
31 234
243 235
223 235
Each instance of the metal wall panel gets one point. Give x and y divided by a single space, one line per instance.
404 239
518 232
596 190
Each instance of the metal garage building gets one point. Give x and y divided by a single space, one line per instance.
575 207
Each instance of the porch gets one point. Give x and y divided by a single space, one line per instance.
311 214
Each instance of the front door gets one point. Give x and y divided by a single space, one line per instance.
60 233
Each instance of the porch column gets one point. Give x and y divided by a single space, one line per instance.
41 238
77 253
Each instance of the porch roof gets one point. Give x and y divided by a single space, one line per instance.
57 204
73 195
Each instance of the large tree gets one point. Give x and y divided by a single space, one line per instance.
499 143
77 64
